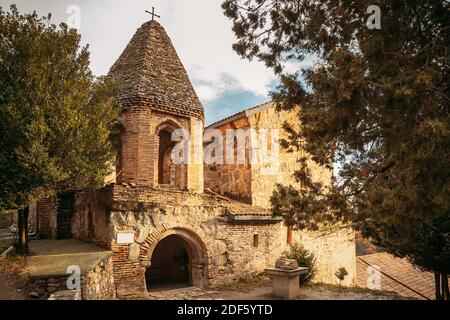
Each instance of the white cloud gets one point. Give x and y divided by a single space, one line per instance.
203 38
205 92
200 32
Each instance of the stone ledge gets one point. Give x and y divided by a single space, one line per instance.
253 218
66 295
288 273
50 258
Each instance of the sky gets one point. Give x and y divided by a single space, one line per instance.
201 34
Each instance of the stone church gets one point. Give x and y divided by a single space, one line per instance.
193 223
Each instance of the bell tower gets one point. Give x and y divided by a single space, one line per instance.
159 105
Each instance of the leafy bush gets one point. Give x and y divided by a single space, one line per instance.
304 258
341 273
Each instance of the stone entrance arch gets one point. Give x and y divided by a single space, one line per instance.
197 251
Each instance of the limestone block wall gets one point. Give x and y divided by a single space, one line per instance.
195 167
254 183
267 173
233 181
231 178
333 249
265 176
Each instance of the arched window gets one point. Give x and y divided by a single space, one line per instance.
166 170
169 174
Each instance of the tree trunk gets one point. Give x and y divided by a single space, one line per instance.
444 286
437 285
22 245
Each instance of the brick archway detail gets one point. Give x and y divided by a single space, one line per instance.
191 233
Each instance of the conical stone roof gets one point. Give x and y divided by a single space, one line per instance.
150 73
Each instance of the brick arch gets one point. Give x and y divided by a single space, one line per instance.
194 236
165 172
168 124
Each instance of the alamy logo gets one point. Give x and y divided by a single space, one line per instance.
74 19
74 280
373 277
232 147
374 20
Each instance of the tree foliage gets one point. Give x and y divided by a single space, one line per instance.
55 116
374 106
305 259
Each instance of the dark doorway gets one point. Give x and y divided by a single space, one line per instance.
170 265
64 214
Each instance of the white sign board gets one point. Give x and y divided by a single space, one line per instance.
125 238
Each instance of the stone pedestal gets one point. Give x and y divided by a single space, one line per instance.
285 283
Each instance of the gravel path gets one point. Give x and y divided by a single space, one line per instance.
263 292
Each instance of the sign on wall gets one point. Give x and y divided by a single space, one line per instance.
125 237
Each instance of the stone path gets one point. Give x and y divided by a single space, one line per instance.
190 293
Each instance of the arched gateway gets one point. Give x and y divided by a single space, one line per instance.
176 257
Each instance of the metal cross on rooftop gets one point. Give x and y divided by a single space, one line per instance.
153 14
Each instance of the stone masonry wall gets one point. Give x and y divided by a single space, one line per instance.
238 256
333 249
90 220
266 176
231 179
96 284
254 183
221 251
138 163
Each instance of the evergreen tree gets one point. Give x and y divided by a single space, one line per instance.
55 116
375 107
